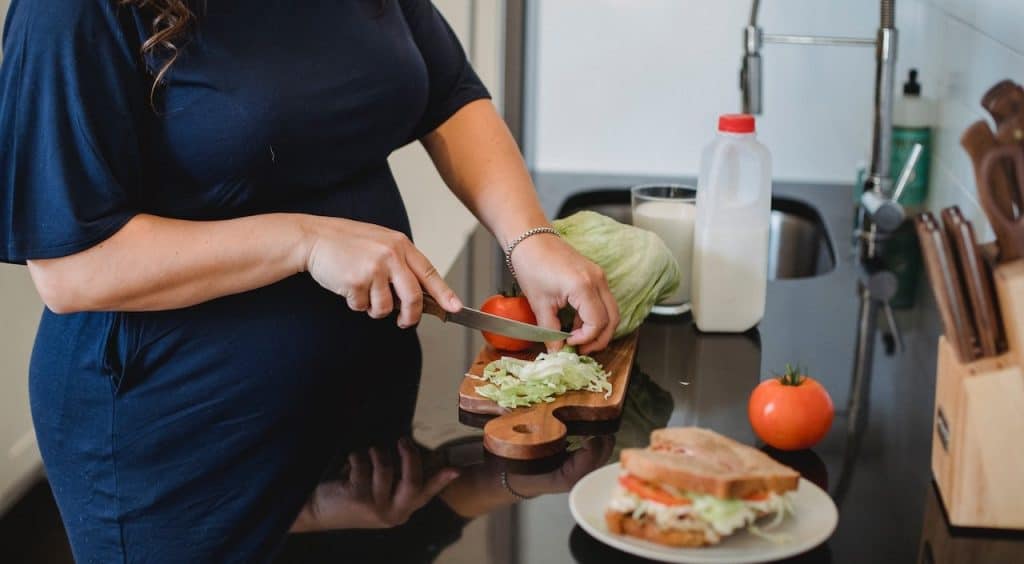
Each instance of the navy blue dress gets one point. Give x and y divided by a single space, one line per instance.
195 435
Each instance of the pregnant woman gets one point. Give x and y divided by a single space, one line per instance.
201 194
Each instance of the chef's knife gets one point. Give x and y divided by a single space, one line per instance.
945 285
976 278
476 319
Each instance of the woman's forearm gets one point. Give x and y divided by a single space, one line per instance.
480 162
478 490
155 263
478 159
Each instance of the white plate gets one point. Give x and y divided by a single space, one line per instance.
815 517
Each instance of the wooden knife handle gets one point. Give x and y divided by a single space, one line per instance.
943 277
994 190
431 307
1007 221
1003 100
1011 131
977 281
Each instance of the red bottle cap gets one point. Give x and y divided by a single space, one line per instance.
736 123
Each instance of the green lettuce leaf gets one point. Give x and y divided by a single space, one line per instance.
639 267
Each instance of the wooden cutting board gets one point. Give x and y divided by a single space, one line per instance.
538 431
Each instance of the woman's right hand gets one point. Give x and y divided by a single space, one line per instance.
363 262
377 493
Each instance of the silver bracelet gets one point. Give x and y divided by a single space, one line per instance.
508 488
515 242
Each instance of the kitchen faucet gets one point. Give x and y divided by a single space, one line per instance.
879 214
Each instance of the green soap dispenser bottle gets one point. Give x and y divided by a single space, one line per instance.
913 116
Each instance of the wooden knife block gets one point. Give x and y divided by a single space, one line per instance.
978 436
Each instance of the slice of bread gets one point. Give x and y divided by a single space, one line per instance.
645 528
702 461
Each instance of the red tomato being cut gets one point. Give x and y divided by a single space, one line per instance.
792 412
516 308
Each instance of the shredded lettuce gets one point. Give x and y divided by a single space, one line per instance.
781 505
512 382
724 515
727 515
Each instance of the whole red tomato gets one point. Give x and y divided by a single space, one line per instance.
509 307
792 412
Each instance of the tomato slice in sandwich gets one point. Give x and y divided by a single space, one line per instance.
760 496
649 491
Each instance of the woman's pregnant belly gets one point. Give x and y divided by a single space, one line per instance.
290 350
215 419
213 422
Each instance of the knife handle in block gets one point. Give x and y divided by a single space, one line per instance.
1007 222
1003 101
994 189
945 285
977 280
1011 131
1009 280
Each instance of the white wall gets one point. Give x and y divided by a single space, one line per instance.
634 86
962 48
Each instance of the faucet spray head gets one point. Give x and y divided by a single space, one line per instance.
750 71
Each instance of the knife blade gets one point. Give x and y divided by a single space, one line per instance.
976 279
476 319
945 285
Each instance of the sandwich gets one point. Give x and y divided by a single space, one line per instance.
693 487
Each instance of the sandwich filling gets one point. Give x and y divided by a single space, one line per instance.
671 508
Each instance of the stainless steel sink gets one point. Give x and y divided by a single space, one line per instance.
799 245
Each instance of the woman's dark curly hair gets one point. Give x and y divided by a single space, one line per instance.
171 22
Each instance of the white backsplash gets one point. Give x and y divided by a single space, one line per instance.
633 87
636 86
962 47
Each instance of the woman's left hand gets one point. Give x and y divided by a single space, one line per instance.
552 275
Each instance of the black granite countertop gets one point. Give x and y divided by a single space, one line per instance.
879 477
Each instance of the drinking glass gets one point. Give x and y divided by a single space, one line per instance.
669 210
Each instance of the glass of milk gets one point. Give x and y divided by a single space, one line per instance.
669 210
